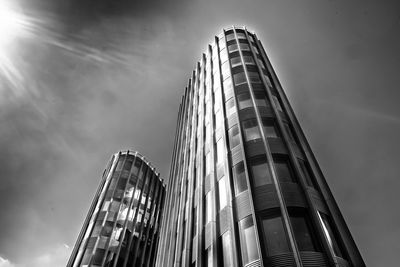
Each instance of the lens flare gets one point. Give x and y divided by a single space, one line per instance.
18 30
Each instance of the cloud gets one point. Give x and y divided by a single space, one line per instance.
6 263
58 256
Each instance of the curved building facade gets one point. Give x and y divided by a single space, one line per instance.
122 226
244 186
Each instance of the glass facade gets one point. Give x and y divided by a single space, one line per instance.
121 228
243 169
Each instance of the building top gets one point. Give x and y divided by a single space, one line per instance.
143 158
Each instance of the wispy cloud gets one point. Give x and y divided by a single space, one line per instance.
55 257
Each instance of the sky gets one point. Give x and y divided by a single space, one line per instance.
83 79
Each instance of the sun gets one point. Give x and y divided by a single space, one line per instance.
11 23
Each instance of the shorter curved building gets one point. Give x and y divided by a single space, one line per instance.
121 228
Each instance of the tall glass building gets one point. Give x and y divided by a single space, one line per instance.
244 186
122 226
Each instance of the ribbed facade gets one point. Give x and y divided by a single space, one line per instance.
122 226
244 186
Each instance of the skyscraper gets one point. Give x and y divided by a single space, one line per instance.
122 226
244 186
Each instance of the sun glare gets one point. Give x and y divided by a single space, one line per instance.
11 23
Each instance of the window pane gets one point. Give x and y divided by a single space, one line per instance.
230 107
244 47
269 128
302 233
239 178
276 101
260 172
289 131
251 131
284 171
220 151
254 77
230 37
232 47
239 78
236 61
241 35
227 87
208 163
248 240
275 236
248 60
244 100
209 262
330 235
226 70
234 138
261 100
227 249
208 207
222 193
223 55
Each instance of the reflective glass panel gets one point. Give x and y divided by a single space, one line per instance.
239 178
251 131
274 236
302 233
248 240
260 171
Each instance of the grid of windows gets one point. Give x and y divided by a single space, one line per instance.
110 240
235 161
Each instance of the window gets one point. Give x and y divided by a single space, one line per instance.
289 131
233 47
248 60
227 88
98 256
226 70
136 166
274 236
230 37
209 260
248 240
230 107
120 163
251 131
261 101
239 178
208 207
256 50
260 171
284 171
128 164
301 228
244 100
269 127
330 234
254 77
278 105
307 174
244 47
220 151
208 163
219 119
223 55
222 193
227 249
234 138
236 61
261 63
241 35
239 78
